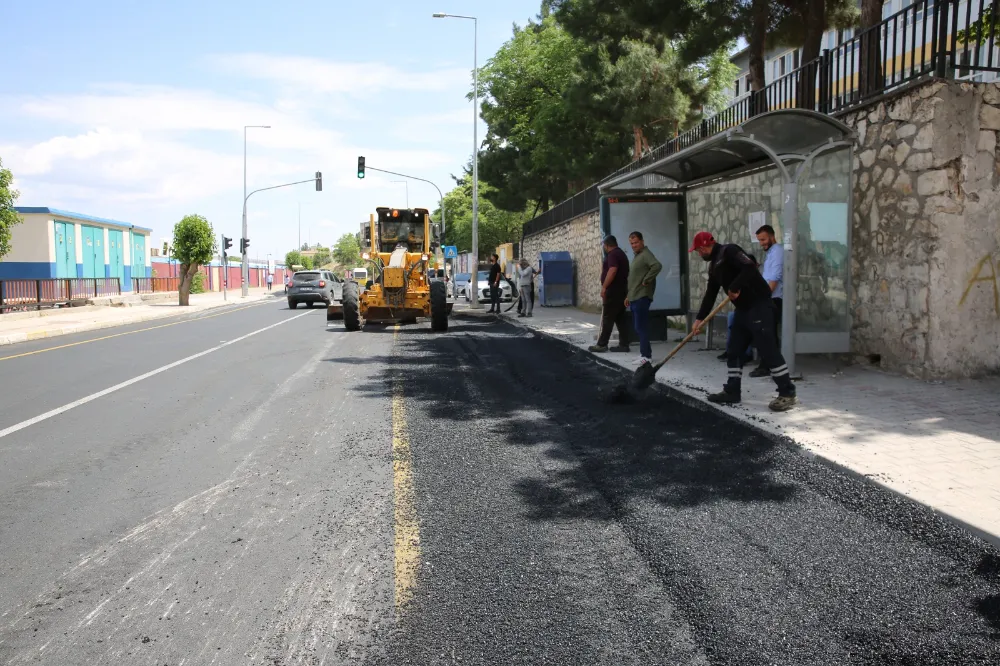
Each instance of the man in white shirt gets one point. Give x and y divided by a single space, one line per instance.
774 261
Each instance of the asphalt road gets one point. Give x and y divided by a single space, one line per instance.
258 488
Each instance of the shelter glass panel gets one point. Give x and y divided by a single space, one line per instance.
732 211
824 245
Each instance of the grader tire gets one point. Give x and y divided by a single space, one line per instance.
439 306
352 316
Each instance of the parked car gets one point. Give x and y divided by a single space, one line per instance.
320 286
461 282
506 294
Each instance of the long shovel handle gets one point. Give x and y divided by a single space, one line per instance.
692 334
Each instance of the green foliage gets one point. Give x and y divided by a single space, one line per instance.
322 256
293 258
565 109
347 252
8 217
194 245
194 241
198 283
496 226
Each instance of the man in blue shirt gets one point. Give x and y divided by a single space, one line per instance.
772 270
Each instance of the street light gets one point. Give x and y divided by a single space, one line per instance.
475 148
407 184
245 271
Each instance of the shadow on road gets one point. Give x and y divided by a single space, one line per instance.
658 449
747 534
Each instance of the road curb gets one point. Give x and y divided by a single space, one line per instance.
42 334
691 399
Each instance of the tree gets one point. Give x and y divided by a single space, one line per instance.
702 27
194 245
564 110
8 216
496 226
293 258
347 252
322 256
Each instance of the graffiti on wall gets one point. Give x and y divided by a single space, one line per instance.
985 271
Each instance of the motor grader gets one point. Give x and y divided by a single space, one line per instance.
397 245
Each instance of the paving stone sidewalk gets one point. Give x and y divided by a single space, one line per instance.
936 442
21 327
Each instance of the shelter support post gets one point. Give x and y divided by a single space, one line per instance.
789 303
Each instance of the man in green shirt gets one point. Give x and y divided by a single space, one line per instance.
641 285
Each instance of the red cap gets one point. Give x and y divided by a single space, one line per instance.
701 239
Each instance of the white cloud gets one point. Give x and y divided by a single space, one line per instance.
151 153
350 78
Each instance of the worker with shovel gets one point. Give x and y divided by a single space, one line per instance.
730 268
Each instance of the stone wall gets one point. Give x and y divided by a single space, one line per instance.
925 233
581 237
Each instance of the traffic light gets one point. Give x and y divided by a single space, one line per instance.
244 244
319 181
166 248
226 244
361 167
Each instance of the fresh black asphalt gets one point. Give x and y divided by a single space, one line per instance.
238 509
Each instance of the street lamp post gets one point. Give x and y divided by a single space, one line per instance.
475 304
245 270
407 185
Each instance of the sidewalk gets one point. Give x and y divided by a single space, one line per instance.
936 442
21 327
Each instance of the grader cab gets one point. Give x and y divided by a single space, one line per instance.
397 247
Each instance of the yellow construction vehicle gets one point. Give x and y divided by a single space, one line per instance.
398 246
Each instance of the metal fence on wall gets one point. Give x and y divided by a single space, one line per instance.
152 285
577 205
36 294
944 38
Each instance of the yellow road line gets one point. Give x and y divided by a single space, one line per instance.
118 335
407 529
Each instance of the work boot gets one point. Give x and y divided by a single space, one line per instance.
760 371
598 349
782 403
724 397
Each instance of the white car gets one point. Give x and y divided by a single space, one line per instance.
506 295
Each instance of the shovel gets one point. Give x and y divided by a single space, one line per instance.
645 375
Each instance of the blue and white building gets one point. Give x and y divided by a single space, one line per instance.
53 243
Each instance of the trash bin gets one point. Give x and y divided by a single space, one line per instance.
556 285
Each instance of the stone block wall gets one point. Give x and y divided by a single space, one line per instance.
581 237
926 230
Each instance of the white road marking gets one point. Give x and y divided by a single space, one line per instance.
117 387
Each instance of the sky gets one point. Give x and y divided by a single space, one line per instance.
135 111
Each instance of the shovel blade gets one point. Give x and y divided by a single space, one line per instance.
644 376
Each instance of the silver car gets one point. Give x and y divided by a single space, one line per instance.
319 286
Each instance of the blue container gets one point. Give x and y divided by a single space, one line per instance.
556 288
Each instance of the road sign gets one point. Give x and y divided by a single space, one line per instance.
450 252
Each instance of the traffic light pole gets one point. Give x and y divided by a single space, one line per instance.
245 242
440 196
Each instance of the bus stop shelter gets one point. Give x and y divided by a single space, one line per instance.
799 160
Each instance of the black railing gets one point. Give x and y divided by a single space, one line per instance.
943 38
575 206
36 294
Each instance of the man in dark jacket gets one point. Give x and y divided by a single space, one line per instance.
614 290
495 274
730 268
